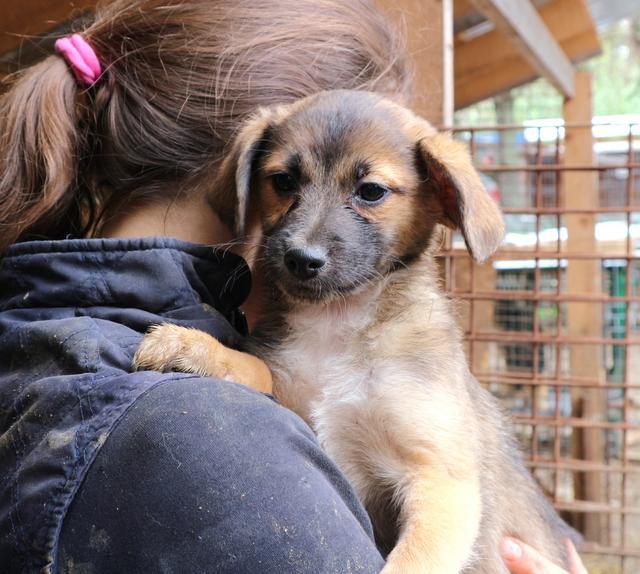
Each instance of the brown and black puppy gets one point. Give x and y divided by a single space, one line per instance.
360 339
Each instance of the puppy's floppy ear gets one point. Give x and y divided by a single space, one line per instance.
465 202
233 183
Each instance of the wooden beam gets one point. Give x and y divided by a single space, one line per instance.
490 64
422 20
522 24
462 9
466 10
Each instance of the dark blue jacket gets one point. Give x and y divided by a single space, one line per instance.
72 314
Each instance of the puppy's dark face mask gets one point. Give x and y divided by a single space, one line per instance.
350 187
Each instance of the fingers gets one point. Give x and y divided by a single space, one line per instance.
520 558
575 562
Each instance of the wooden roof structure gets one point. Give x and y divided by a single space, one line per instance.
501 44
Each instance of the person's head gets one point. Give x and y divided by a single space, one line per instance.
179 78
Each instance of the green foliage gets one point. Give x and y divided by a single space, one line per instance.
616 72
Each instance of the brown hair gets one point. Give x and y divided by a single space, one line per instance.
179 79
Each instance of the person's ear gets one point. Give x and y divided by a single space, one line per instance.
465 203
235 175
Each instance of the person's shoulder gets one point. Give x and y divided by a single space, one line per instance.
219 409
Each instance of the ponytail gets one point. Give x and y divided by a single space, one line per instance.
39 143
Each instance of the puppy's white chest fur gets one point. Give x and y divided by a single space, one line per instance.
327 355
364 361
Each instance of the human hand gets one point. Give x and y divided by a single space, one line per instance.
520 558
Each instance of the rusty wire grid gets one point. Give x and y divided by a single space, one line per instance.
552 321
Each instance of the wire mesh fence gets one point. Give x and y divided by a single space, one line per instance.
552 322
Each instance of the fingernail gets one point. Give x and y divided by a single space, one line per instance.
510 549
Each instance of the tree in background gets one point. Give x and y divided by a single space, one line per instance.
616 71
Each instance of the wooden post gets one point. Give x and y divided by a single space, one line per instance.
485 354
580 190
422 21
447 63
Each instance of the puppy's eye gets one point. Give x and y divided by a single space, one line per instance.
371 192
283 183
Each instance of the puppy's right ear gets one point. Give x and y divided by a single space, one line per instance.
233 182
236 172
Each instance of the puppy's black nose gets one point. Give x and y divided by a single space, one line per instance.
304 263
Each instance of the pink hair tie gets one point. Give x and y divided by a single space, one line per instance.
81 57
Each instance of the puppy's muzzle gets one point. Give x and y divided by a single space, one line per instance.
305 263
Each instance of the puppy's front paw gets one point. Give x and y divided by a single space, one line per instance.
169 347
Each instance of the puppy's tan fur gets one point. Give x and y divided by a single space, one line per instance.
380 372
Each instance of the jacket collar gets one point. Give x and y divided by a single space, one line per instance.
156 274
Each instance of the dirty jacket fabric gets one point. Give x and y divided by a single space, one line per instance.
71 316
